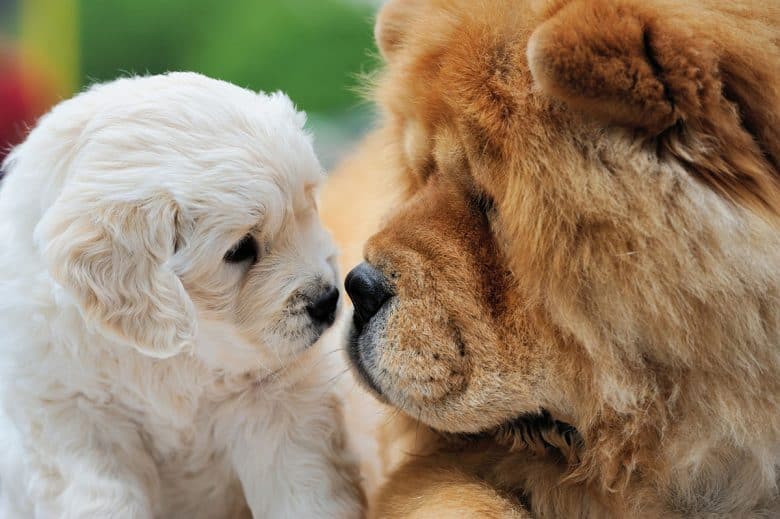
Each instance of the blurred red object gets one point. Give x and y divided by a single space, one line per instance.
24 96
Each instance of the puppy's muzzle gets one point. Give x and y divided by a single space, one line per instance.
369 290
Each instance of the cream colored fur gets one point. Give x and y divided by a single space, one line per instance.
141 375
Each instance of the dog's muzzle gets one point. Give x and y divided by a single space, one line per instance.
369 290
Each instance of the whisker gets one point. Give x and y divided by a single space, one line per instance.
263 366
325 356
330 384
417 427
392 416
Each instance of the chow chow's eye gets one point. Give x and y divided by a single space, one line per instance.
484 203
245 250
427 169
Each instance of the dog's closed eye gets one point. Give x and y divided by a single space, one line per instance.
244 250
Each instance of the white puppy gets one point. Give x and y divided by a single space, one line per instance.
163 274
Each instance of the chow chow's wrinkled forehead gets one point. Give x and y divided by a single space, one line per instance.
513 79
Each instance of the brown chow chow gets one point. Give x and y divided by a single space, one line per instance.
576 304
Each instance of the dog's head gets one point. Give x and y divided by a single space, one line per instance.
180 213
581 231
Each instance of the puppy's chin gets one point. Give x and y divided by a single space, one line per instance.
222 346
290 343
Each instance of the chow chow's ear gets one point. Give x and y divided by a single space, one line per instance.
392 22
112 257
657 64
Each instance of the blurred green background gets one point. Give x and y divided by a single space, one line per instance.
315 50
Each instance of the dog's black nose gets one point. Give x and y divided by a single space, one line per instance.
323 309
368 289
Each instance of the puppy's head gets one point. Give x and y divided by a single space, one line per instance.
179 213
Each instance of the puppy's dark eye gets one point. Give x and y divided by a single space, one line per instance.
245 250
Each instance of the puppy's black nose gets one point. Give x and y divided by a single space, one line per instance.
367 287
323 309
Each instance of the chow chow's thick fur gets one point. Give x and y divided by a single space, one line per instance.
585 271
164 277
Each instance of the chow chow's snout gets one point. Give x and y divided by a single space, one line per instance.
369 290
429 300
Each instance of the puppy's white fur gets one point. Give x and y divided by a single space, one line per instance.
141 374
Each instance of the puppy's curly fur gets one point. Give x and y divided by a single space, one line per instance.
161 249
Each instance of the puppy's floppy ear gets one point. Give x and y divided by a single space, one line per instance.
392 22
112 257
657 64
